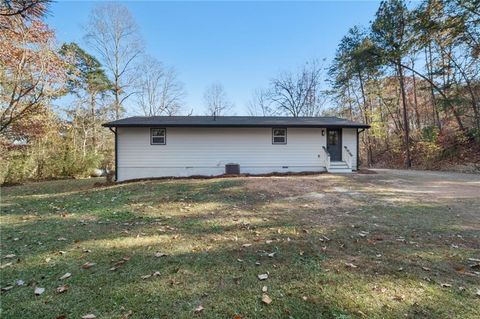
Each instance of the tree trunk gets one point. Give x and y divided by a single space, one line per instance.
429 64
415 100
408 162
94 126
365 114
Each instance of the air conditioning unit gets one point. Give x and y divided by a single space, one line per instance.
232 169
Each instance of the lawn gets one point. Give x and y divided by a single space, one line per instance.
388 245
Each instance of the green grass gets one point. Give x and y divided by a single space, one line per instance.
202 226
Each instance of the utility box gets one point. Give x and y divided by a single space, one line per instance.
232 169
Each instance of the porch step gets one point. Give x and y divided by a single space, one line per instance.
339 167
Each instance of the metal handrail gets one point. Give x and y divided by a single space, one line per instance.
348 160
348 151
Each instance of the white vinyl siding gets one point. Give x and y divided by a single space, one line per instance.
349 139
205 151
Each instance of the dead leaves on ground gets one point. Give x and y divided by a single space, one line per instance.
67 275
198 309
155 274
120 263
62 289
38 291
263 276
266 299
88 265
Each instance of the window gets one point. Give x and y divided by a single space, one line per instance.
158 136
279 136
332 138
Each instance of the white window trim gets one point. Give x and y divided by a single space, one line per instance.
273 136
164 136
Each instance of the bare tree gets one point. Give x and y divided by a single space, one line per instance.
160 91
113 33
216 100
261 104
298 94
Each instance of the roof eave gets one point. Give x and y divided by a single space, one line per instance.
240 125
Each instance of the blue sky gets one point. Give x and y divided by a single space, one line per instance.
239 44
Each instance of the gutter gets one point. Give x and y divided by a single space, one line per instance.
358 147
114 131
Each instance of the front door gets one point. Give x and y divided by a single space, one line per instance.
334 144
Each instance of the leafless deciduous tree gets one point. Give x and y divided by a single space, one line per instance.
261 104
298 94
216 100
160 91
113 33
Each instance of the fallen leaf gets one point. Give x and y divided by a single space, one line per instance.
89 316
446 285
88 265
271 255
478 292
264 289
5 265
246 245
146 276
158 254
198 309
266 299
61 238
67 275
263 276
350 265
7 288
240 260
38 291
62 288
9 256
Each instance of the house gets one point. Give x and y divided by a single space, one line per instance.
160 146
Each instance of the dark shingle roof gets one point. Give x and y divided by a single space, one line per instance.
234 121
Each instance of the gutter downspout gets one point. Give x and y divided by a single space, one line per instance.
358 147
116 152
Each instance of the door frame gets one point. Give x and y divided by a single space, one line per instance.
340 142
